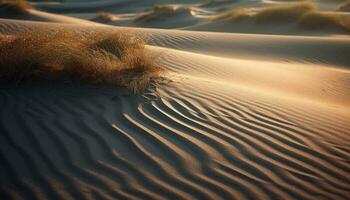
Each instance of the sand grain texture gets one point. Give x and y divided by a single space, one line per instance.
237 116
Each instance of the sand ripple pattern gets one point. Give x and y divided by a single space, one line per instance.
190 141
186 145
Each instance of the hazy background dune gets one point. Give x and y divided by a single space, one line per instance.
295 18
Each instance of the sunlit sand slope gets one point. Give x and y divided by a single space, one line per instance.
237 117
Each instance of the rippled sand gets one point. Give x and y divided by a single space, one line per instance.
244 109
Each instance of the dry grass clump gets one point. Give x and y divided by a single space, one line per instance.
113 58
103 17
16 6
345 7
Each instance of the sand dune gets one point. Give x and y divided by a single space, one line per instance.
295 18
25 11
103 17
173 15
234 116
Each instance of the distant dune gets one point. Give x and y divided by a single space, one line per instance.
345 7
161 11
179 15
15 6
103 17
303 15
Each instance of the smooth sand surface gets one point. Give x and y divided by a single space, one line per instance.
259 115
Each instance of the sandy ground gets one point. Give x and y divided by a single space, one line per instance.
245 110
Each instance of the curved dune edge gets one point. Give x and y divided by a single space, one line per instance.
21 9
167 16
162 11
296 18
209 134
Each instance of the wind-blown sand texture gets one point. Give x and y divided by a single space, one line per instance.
243 110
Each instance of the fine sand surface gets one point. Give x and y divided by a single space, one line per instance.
241 111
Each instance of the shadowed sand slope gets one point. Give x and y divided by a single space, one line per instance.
247 118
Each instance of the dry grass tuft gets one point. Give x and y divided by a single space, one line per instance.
103 17
16 6
114 58
345 7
